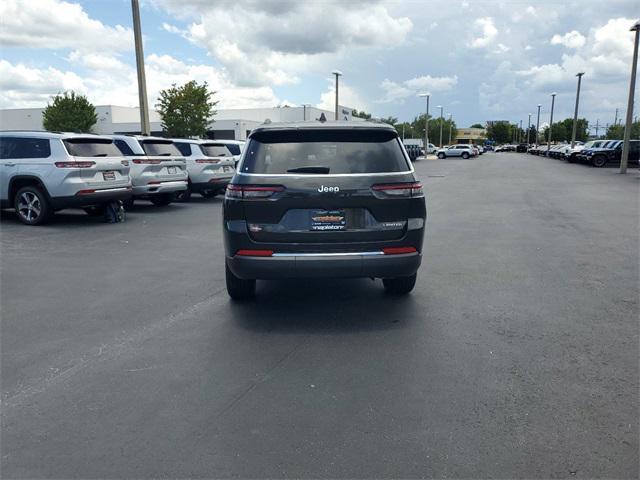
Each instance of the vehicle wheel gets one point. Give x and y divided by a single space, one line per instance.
182 195
238 288
465 155
32 206
94 211
400 285
599 161
441 156
571 159
209 193
128 203
162 200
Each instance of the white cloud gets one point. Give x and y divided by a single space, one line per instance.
348 97
572 39
171 28
55 24
398 92
487 31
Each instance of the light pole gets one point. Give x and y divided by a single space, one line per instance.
529 131
575 113
538 126
426 124
520 133
450 127
441 109
338 74
624 160
142 82
553 101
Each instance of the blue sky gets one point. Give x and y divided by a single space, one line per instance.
481 60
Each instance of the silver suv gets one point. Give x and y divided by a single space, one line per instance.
158 170
210 165
464 151
42 172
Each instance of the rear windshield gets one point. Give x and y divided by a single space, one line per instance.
91 147
216 150
160 148
234 148
324 151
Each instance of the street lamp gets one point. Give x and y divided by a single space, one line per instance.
624 160
441 109
426 124
553 101
529 131
575 113
338 74
538 126
142 80
450 127
520 133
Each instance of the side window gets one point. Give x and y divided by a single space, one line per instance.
19 147
185 148
123 147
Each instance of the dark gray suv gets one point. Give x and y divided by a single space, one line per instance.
323 200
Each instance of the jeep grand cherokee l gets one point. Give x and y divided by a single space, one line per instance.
323 200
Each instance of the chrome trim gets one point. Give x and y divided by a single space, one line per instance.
322 175
330 254
109 190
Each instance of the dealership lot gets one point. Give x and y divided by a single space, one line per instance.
515 356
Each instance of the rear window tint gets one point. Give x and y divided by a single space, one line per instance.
17 147
160 148
184 147
234 149
124 148
339 151
216 149
91 147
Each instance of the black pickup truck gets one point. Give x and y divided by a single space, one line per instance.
611 153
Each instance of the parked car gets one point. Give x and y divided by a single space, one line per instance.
571 156
318 199
210 165
158 171
488 148
234 146
585 155
414 151
611 153
522 147
43 172
464 151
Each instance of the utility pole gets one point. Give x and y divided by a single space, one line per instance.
426 124
615 120
441 120
624 160
142 81
597 126
450 127
553 101
575 113
529 131
337 73
538 126
520 133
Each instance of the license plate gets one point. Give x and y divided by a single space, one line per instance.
171 170
109 175
328 220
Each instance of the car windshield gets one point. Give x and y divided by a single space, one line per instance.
324 151
217 150
160 148
91 147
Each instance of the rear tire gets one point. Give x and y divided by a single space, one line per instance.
94 211
239 288
441 156
400 285
183 195
162 200
31 205
128 203
209 193
599 161
465 155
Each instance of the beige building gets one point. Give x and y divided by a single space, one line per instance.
471 135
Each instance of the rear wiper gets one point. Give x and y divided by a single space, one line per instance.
164 154
100 155
314 169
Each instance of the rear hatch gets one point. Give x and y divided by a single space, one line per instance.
162 162
100 163
225 160
326 186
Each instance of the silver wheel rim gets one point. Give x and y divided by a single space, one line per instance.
29 206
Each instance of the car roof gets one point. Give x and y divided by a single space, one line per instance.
317 125
44 134
143 138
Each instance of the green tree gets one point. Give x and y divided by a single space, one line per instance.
476 125
616 132
406 129
500 132
362 114
69 112
187 110
389 120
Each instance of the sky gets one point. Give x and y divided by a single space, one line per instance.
480 60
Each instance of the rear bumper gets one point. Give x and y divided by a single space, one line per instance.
219 183
158 188
348 265
97 197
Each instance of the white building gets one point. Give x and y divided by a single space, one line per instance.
231 124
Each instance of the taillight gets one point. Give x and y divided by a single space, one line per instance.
75 164
398 250
254 253
207 160
146 161
252 191
401 190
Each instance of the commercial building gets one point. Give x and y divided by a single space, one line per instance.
471 135
229 124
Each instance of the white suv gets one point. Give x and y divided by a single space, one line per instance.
464 151
210 165
42 172
158 170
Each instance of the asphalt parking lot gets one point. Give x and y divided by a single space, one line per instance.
516 355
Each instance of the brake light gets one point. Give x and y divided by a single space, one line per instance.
404 190
398 250
254 253
252 191
207 160
147 161
75 164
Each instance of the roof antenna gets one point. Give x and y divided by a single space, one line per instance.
322 118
